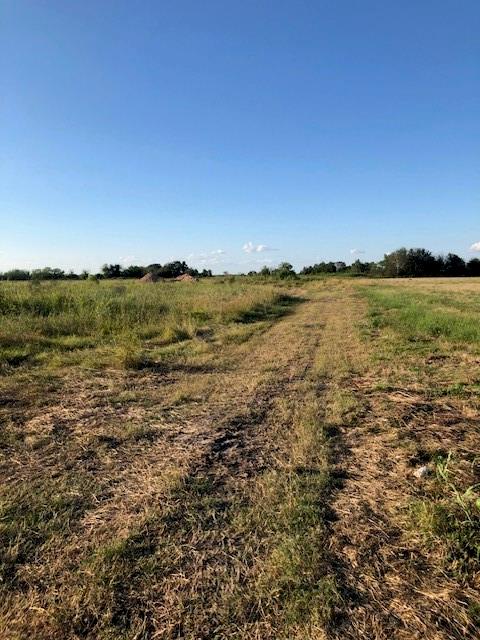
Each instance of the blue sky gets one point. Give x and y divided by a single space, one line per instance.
237 134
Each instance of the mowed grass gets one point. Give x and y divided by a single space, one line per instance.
86 419
125 514
421 315
121 324
431 331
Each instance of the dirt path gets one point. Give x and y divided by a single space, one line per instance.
185 457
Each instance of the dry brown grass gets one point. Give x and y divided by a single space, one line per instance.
398 572
259 486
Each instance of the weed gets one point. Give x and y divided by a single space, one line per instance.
452 519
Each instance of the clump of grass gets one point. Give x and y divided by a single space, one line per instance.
451 518
294 583
138 432
277 305
172 334
128 357
241 334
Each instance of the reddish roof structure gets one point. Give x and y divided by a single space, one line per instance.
186 277
149 277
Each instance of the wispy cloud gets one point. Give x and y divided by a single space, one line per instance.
206 258
253 260
475 246
356 252
249 247
127 259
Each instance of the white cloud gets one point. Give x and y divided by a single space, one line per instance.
475 246
249 247
206 258
256 261
356 252
127 259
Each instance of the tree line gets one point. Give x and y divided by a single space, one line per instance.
108 271
402 263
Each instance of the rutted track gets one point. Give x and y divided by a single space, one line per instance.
217 445
174 541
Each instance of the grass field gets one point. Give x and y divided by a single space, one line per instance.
119 323
231 459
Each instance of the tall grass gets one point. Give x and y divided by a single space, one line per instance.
71 316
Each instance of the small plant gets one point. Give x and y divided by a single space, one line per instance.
453 519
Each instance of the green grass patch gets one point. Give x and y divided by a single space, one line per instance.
417 316
451 518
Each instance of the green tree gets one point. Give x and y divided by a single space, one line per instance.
453 265
473 267
284 271
112 271
17 274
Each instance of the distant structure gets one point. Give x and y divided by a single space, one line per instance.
149 277
185 277
152 277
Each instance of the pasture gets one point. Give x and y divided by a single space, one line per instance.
238 458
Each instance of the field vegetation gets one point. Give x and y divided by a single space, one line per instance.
239 458
118 323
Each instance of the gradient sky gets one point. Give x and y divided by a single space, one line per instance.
236 134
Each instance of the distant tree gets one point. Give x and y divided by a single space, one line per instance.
321 267
395 263
359 268
265 272
206 273
47 273
133 271
112 271
193 272
453 265
420 263
38 274
284 271
409 263
473 267
172 269
16 274
84 275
